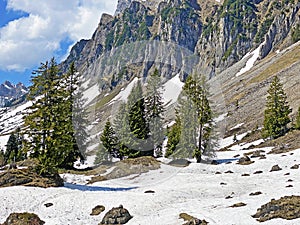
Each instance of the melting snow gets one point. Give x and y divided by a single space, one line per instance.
172 90
124 93
250 63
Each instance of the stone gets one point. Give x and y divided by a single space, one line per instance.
295 167
27 177
255 193
149 192
191 220
275 168
179 163
258 172
48 205
118 215
23 219
245 160
97 210
236 205
245 175
229 171
287 207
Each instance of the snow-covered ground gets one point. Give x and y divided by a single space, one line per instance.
124 93
172 89
196 190
250 63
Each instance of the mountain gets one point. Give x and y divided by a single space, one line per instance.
11 92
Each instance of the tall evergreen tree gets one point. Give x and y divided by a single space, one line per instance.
122 129
173 134
48 123
13 151
297 125
199 93
188 127
137 121
110 141
154 111
277 111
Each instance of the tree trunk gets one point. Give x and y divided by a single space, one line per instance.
198 156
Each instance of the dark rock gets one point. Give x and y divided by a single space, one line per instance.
28 177
245 175
236 156
245 160
289 180
218 172
48 205
97 210
275 168
149 192
228 163
288 186
286 174
295 167
263 157
222 183
228 197
214 162
236 205
229 171
117 215
23 219
255 193
287 207
191 220
179 163
258 172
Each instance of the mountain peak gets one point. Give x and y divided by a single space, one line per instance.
124 4
10 91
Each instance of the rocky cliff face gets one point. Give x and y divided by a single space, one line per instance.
9 91
217 34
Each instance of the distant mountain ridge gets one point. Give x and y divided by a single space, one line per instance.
10 92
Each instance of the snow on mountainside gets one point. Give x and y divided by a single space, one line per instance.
9 91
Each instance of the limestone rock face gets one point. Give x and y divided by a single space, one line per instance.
117 215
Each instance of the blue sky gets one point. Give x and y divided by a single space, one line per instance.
33 31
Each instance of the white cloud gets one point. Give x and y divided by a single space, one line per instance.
29 40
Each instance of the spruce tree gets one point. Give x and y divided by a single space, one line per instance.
297 125
13 151
139 129
276 115
197 91
109 140
48 123
154 111
173 134
122 129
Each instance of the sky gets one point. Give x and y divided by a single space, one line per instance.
34 31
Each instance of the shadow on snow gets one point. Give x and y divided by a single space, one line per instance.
94 188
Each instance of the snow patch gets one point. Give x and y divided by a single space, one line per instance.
124 93
172 90
250 63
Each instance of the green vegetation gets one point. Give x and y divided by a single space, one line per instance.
297 125
14 146
277 111
265 26
296 34
48 124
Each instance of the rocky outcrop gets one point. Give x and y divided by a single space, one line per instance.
118 215
97 210
23 219
26 177
287 207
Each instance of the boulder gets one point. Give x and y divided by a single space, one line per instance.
27 177
179 163
295 167
23 219
191 220
275 168
287 207
117 215
97 210
245 160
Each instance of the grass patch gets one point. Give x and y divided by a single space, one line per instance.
284 62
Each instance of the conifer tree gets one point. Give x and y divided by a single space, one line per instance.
48 123
188 128
122 129
109 140
276 115
13 151
137 121
174 134
198 92
297 125
154 111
